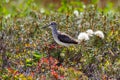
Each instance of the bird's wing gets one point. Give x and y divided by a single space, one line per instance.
66 38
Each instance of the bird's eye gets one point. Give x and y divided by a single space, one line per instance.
53 23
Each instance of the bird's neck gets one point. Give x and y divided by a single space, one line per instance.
54 31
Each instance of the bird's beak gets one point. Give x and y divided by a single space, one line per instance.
46 26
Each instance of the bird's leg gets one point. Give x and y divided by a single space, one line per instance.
60 59
58 56
67 51
67 55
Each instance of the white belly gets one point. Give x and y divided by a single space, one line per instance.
59 42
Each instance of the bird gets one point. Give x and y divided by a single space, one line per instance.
60 37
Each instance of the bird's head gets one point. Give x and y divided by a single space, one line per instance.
51 25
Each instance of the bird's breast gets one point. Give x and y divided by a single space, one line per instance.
55 36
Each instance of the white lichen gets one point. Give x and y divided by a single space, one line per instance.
76 13
83 36
99 34
90 32
42 10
